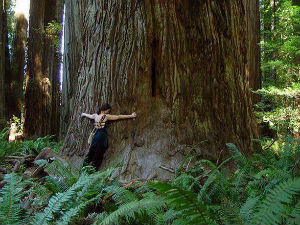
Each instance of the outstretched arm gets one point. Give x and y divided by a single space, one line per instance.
88 115
120 117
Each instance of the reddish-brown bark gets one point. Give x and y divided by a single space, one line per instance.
181 65
42 98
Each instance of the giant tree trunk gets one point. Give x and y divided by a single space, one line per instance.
179 64
15 89
8 72
37 95
2 64
42 89
5 68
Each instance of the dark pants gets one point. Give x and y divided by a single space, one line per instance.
97 149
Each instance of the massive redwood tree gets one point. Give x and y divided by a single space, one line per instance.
15 81
181 65
42 86
5 67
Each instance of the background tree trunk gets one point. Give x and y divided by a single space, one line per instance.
8 72
2 65
71 58
42 91
15 90
179 64
37 95
267 36
253 71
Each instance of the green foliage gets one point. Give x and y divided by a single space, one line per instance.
274 208
9 7
53 32
64 206
262 189
185 203
27 147
132 210
17 123
11 194
280 64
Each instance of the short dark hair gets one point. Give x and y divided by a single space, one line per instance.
104 107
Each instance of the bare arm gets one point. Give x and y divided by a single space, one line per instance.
88 115
120 117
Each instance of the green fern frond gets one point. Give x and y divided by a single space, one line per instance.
10 197
57 170
186 202
167 217
247 209
73 212
56 184
186 181
272 209
238 157
57 201
95 185
121 195
294 217
132 209
100 217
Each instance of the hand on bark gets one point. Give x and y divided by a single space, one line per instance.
133 115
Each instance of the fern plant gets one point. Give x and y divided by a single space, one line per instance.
64 206
130 211
273 208
185 202
10 197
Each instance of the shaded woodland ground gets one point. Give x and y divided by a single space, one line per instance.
215 85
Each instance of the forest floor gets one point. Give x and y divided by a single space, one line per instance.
38 187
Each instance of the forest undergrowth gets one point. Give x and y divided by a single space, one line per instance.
263 189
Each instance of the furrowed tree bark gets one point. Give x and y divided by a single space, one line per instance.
8 72
42 96
51 61
181 65
5 67
71 59
37 95
15 89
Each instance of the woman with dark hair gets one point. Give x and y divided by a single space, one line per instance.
100 140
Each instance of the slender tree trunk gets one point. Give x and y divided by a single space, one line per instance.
42 91
15 89
2 65
181 65
56 73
